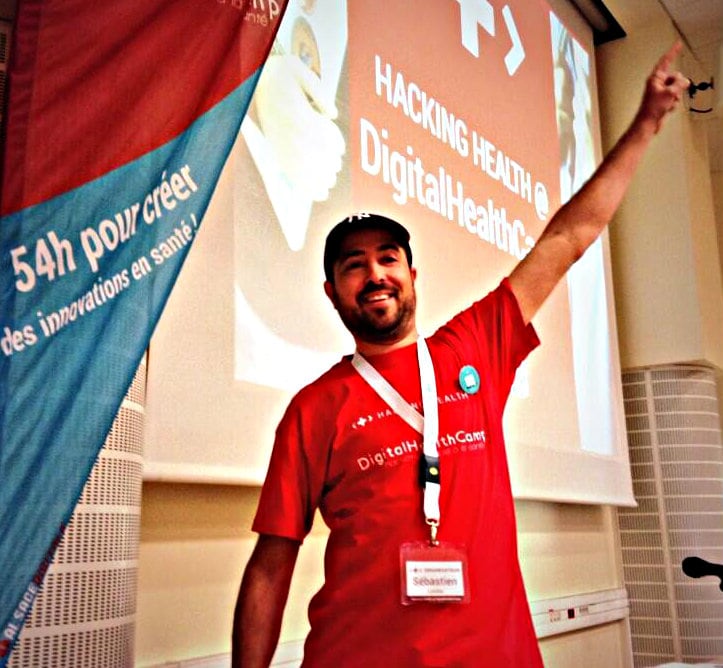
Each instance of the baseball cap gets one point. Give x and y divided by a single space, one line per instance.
362 221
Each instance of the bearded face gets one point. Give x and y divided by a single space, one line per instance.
373 289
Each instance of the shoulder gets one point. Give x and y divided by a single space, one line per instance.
308 422
491 331
497 308
327 385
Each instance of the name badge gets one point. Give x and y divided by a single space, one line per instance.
433 573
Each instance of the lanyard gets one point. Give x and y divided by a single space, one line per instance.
427 425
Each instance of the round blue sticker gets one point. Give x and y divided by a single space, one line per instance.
469 379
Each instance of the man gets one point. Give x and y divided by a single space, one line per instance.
420 570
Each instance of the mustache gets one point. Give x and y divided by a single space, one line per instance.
371 286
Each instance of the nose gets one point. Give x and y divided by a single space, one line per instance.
377 272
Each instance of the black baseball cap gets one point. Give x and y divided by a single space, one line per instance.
354 223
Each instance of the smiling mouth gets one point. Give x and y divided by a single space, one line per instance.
376 297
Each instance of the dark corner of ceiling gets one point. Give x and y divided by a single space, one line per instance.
605 26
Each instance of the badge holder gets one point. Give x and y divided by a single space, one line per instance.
433 571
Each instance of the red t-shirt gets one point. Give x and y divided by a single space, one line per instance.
341 449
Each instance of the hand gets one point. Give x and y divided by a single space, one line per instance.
298 120
664 89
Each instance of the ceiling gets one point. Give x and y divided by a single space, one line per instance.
700 23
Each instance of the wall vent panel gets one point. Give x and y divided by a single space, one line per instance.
673 421
84 615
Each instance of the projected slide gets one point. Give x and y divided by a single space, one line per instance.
470 122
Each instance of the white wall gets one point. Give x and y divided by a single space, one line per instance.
666 268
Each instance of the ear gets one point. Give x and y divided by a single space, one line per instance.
413 272
330 292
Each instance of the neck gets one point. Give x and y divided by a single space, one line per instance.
367 348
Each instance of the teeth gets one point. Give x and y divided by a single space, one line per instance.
377 297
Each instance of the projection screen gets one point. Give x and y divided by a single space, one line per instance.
470 122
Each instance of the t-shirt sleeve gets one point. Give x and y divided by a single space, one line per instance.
494 330
294 480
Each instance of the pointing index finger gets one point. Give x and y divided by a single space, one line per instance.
668 57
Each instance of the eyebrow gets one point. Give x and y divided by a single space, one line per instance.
356 252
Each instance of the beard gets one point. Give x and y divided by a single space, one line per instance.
383 325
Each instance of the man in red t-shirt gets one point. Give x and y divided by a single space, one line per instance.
421 563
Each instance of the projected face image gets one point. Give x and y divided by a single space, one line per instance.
296 115
290 162
373 289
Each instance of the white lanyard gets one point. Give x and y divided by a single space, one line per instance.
427 425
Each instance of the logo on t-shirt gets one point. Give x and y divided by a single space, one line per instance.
457 442
365 420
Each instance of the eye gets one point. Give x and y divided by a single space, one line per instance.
389 259
351 265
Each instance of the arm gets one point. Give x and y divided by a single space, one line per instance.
577 224
261 601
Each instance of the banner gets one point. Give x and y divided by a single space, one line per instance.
120 118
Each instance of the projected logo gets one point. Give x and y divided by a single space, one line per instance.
480 13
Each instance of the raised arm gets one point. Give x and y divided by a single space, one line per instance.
261 601
579 222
